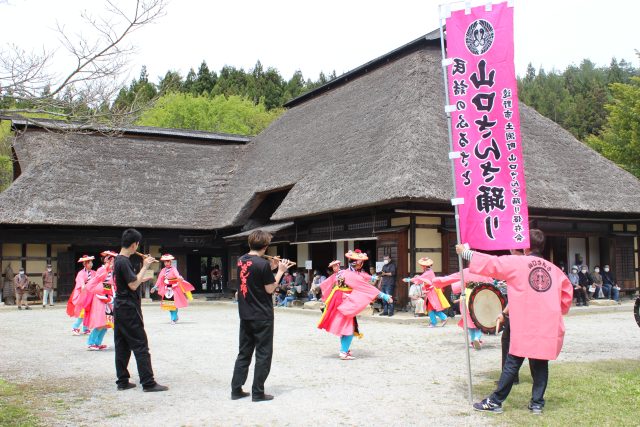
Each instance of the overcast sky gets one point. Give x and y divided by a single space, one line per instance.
329 35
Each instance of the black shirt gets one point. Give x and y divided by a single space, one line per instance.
123 274
254 303
389 280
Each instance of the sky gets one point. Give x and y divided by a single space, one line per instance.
324 36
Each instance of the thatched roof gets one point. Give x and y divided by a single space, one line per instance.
381 137
173 179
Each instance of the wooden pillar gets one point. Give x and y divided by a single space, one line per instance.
412 248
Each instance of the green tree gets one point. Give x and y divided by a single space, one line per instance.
619 140
140 92
225 114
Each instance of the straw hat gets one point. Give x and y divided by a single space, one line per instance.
108 253
356 255
85 258
425 262
332 263
167 257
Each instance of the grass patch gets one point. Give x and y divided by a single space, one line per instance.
14 407
605 393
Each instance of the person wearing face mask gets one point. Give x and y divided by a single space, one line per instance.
20 284
388 284
47 284
609 286
597 283
584 280
578 291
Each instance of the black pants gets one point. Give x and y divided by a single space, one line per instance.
128 336
539 372
254 335
505 340
581 295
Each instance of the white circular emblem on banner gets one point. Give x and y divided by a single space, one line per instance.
479 37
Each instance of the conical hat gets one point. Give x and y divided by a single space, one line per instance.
84 258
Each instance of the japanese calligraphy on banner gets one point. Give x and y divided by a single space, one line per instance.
485 121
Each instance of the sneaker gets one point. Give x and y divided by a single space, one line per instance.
535 409
173 322
383 314
350 354
19 307
156 388
51 305
488 405
26 307
103 347
261 397
44 306
87 331
75 332
476 345
93 348
390 314
346 356
431 326
126 386
444 322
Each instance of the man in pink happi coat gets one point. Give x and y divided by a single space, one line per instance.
539 295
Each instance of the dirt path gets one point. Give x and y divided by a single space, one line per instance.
405 374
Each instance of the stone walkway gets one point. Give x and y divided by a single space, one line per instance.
405 374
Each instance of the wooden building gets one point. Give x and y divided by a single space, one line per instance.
361 162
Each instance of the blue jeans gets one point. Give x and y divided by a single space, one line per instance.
539 372
435 315
287 300
387 308
615 294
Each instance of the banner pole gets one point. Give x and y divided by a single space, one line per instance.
463 303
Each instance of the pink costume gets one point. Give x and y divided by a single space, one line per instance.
173 289
345 294
80 298
102 302
457 288
431 292
539 294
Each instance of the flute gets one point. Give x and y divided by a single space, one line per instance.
277 258
145 256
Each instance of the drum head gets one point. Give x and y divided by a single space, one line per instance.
486 303
636 311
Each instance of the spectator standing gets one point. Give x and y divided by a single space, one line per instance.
47 285
388 275
216 278
20 285
611 289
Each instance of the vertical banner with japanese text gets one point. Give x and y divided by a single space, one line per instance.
485 122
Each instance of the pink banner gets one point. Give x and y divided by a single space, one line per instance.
485 121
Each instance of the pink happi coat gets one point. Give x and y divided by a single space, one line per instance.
453 280
178 284
430 292
539 294
95 315
341 307
79 298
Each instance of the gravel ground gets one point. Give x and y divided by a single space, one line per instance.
405 373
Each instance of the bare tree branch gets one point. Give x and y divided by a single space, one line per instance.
85 92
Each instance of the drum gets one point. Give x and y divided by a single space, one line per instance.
486 303
636 311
